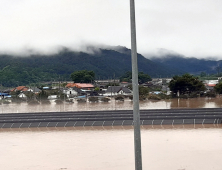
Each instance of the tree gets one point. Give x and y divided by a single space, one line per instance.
127 76
30 95
186 84
142 77
144 91
43 95
83 76
97 89
218 88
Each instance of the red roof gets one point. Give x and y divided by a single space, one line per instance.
70 85
84 85
211 85
21 88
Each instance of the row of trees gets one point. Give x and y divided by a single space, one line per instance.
84 76
142 77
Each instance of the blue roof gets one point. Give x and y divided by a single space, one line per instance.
81 97
4 94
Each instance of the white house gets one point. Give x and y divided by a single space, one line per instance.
22 95
70 92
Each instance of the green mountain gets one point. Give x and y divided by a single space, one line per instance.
106 63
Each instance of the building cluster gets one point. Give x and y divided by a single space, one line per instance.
105 88
71 90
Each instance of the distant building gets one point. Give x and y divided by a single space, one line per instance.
35 90
125 84
210 83
107 81
86 86
104 83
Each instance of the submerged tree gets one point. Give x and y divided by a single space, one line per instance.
218 88
186 84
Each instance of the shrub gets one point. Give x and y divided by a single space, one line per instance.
81 100
194 95
154 97
131 97
164 96
119 97
59 101
105 99
5 102
93 99
210 94
142 97
33 102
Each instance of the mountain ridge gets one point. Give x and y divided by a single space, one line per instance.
105 62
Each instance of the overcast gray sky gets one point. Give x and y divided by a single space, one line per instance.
188 27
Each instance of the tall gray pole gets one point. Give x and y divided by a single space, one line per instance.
136 113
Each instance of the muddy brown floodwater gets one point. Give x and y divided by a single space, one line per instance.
190 147
111 148
113 105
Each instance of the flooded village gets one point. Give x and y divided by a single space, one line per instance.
99 91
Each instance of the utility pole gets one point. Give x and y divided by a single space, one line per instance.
136 113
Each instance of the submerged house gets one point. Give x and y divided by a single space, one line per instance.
4 95
73 92
21 89
117 90
70 92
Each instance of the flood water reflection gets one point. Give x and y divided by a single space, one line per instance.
113 105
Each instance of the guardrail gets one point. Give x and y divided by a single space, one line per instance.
111 118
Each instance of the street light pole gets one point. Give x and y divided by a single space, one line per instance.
136 113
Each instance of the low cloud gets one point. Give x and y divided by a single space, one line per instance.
190 28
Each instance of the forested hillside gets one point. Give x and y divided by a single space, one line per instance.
105 63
